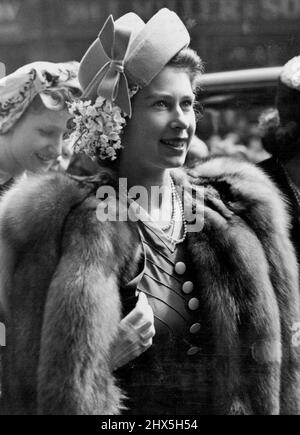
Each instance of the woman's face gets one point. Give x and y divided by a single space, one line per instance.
163 122
36 140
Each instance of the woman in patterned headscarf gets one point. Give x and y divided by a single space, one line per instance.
33 116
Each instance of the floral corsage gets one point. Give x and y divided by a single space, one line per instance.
98 128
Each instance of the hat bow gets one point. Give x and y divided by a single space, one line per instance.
111 79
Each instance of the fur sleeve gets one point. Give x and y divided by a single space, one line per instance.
32 215
253 198
81 318
32 212
60 298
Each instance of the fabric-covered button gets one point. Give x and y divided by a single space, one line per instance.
188 287
193 351
180 268
194 304
194 329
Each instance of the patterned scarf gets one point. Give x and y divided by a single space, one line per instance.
18 89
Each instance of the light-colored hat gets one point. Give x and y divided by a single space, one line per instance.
290 75
18 89
129 52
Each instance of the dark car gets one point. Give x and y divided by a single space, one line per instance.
240 89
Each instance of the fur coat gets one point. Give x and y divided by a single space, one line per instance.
62 271
275 170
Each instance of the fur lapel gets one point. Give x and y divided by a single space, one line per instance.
248 273
260 211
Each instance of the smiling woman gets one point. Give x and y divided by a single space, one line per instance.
162 126
36 140
33 116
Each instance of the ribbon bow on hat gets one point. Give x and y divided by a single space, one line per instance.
102 69
130 52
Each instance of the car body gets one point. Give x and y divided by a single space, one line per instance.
240 89
233 102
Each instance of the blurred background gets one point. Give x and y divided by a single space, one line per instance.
228 34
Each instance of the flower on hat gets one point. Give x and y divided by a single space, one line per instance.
290 75
98 128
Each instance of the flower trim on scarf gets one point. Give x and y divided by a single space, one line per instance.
98 127
16 98
12 108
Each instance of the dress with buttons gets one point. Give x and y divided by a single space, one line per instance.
166 280
165 379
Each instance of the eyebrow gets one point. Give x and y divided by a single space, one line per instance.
163 95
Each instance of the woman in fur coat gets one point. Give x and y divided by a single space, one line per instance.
210 254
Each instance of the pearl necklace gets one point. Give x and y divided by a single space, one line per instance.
172 221
179 202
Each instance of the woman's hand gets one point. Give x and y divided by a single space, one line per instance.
135 334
